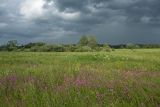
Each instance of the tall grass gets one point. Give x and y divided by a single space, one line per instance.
127 78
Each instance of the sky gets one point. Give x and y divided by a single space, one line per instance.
65 21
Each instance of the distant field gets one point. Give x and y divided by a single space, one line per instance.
122 78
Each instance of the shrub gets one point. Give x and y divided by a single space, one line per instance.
84 49
59 48
106 48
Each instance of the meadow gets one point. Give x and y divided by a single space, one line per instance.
121 78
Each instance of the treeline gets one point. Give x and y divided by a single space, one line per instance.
135 46
85 44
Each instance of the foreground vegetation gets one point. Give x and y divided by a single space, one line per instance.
121 78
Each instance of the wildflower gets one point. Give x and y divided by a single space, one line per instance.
80 82
30 79
12 79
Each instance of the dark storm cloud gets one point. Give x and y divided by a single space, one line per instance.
113 21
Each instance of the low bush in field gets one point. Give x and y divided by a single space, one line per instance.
84 49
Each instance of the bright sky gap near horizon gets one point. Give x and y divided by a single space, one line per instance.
64 21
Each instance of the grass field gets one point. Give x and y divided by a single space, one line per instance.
122 78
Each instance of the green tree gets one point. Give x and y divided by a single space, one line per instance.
70 48
83 41
12 45
92 42
59 48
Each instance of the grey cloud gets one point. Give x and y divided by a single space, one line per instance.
115 21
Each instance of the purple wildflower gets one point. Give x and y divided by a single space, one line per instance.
11 79
81 82
30 79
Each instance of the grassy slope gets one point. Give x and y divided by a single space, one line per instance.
119 78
